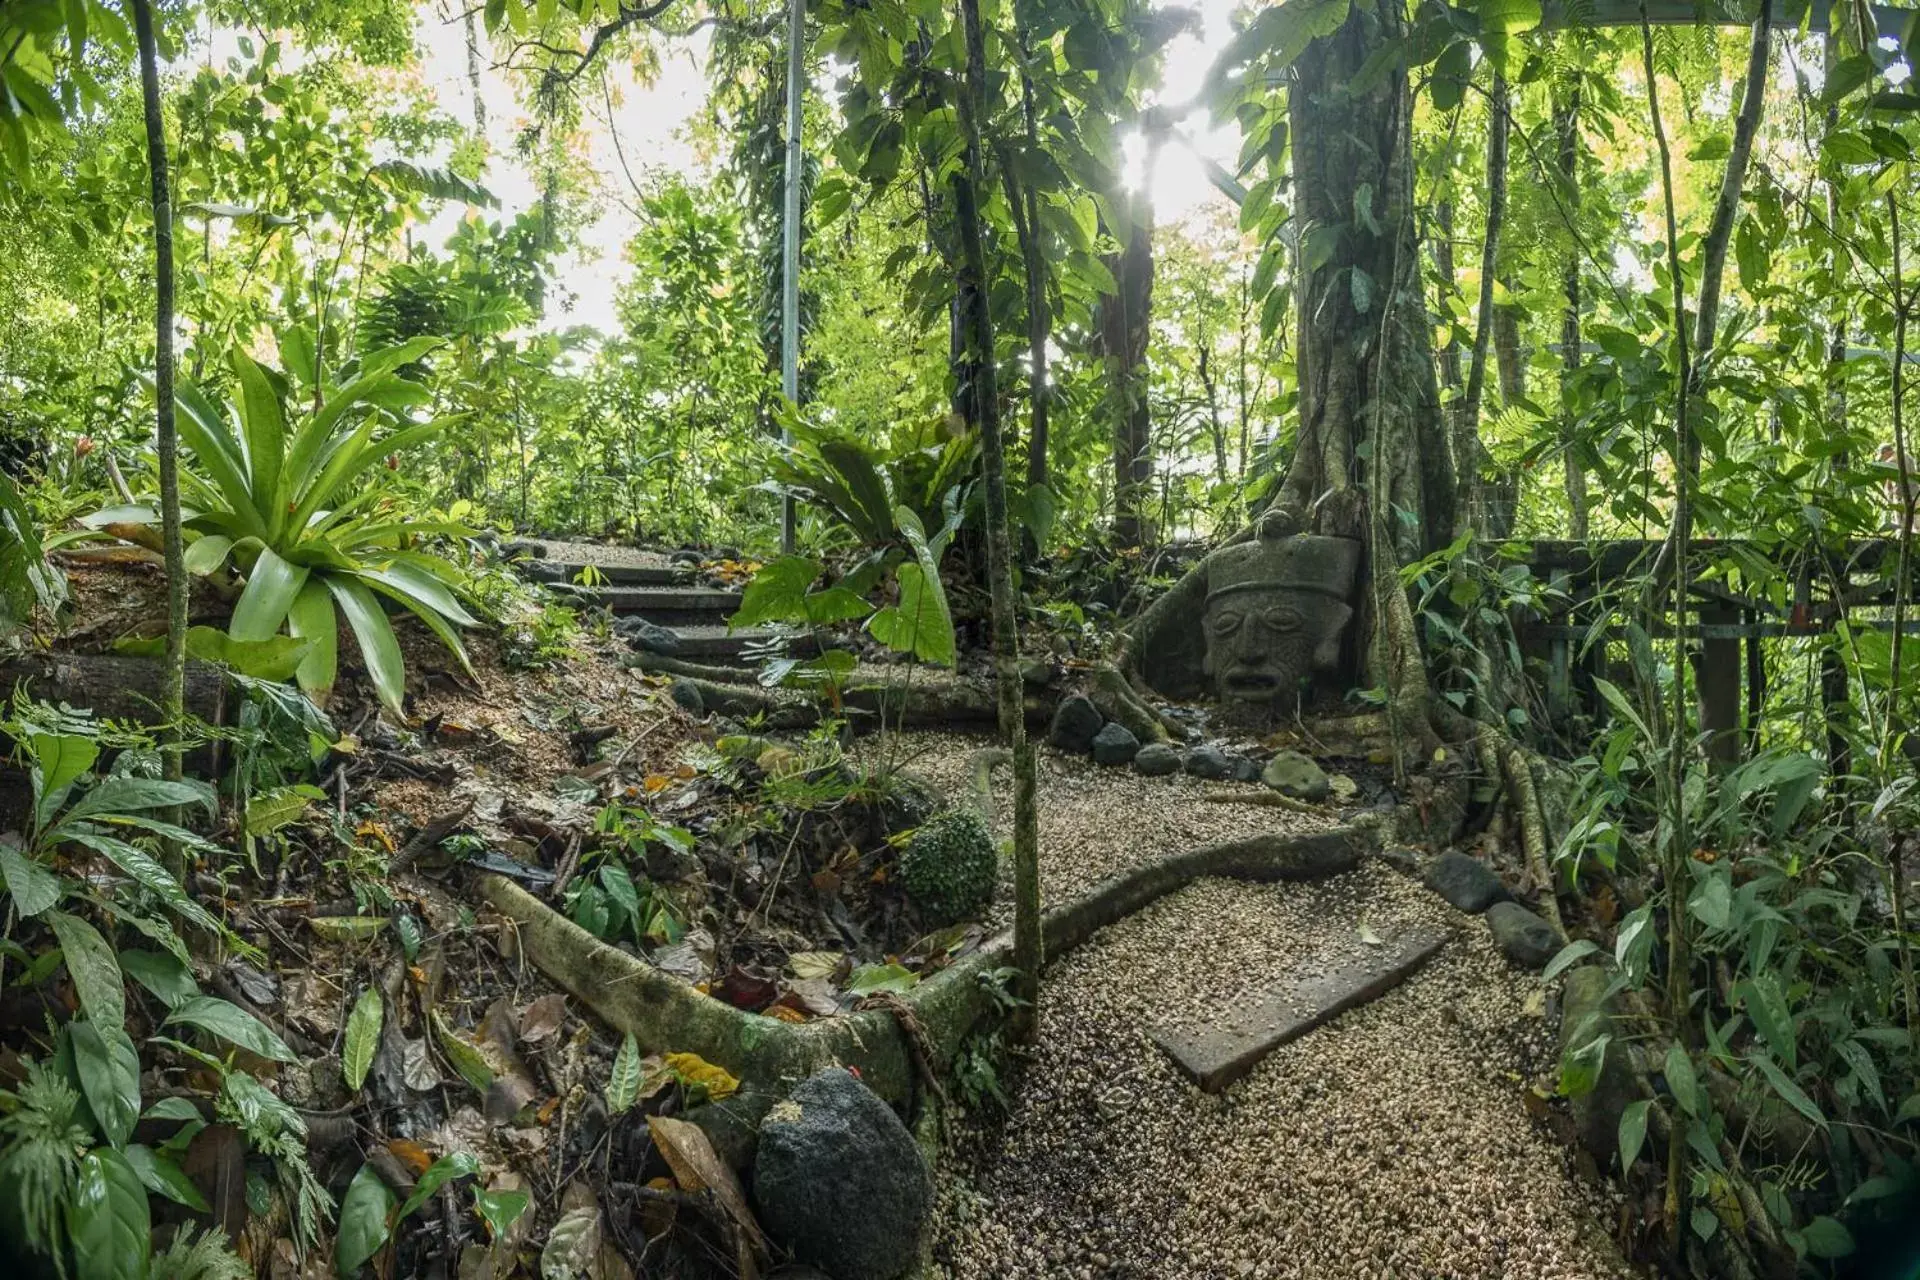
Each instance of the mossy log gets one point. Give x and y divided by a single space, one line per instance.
665 1015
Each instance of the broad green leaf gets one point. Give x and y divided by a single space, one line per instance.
149 873
207 553
59 759
109 1069
32 887
429 617
1569 955
1794 1095
1767 1006
160 1175
169 980
26 579
410 581
835 604
1682 1082
467 1060
442 1171
279 807
311 617
93 968
232 1023
921 624
135 795
777 593
378 647
1633 1131
623 1082
274 658
363 1037
205 431
363 1222
108 1219
1827 1238
264 438
871 978
1712 900
271 587
500 1209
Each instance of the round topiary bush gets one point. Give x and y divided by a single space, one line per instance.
949 867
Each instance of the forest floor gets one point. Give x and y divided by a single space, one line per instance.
1394 1141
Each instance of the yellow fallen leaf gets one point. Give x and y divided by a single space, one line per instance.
696 1070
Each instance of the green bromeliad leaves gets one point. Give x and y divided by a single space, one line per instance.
285 498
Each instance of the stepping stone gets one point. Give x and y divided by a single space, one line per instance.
1217 1055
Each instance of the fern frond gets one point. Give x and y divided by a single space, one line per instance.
197 1255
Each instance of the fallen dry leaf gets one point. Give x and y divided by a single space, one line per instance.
542 1017
697 1167
411 1154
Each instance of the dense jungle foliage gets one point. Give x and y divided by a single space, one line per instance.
1475 280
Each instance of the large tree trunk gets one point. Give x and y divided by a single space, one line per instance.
1566 119
1365 353
1469 454
166 437
983 400
1123 318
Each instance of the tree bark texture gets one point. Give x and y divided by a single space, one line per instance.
1469 454
1123 317
166 436
1566 122
1365 351
978 327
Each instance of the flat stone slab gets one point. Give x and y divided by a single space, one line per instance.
1217 1055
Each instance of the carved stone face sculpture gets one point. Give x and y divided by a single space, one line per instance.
1275 610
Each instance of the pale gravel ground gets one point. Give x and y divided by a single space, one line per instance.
1096 821
1390 1143
604 555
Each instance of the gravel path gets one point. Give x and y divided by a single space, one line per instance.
1391 1143
1096 821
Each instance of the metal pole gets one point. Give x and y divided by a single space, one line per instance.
790 244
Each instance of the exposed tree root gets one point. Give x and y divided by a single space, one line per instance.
1117 699
1265 799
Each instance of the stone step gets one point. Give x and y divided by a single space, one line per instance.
618 575
1216 1055
714 643
665 605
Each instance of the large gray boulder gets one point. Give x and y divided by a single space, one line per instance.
1209 761
1528 940
1292 773
1115 745
1467 883
1156 760
839 1181
1075 722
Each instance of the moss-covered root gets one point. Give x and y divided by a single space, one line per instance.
1114 695
666 1016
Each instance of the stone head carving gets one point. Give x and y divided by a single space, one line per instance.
1276 607
1262 616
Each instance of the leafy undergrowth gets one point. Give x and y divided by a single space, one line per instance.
293 1032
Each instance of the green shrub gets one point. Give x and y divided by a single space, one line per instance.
950 866
295 505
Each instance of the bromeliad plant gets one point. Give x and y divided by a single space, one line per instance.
294 504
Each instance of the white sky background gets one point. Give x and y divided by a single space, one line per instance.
653 132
